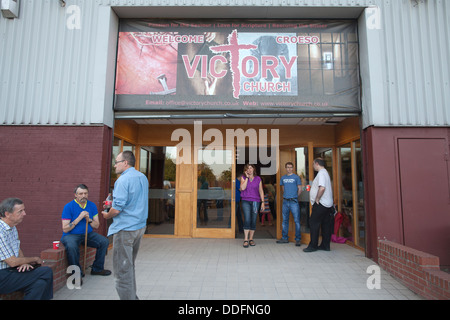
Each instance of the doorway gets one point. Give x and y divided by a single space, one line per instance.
217 213
422 173
178 194
266 224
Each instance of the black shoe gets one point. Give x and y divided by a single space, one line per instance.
104 272
297 243
323 248
282 241
309 249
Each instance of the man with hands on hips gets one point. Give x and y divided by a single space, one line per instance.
321 198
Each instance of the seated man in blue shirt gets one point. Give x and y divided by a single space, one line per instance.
17 272
74 218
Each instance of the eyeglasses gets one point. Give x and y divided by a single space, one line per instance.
116 162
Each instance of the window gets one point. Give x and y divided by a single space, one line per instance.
302 166
214 174
327 155
360 196
117 148
351 193
162 174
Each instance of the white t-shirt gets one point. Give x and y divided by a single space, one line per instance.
322 180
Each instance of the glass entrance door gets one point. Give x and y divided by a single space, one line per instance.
159 164
214 215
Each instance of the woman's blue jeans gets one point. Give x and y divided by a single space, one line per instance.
72 243
250 209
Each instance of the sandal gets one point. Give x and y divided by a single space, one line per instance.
245 244
252 243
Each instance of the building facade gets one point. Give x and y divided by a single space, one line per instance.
64 110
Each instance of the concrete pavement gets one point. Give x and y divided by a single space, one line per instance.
205 269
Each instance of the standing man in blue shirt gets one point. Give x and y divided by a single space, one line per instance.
130 211
291 189
74 217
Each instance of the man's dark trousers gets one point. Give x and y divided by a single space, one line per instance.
321 218
37 284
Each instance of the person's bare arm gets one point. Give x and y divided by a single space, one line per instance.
22 262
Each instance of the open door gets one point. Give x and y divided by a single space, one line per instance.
214 214
286 155
290 155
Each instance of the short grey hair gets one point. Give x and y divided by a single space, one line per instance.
8 205
129 157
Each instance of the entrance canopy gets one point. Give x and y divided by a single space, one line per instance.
237 118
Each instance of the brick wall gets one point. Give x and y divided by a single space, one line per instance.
42 165
396 208
57 260
417 270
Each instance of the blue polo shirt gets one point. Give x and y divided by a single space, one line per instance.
72 210
130 197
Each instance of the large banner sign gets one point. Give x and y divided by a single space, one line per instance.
228 65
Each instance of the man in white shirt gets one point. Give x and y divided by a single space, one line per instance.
321 198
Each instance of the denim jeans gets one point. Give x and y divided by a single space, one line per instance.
94 240
250 209
291 206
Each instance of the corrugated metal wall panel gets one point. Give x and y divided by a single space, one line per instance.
415 43
45 67
264 3
46 70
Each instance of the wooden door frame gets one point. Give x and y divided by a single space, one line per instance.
224 233
284 157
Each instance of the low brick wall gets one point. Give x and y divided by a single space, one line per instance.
417 270
57 260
